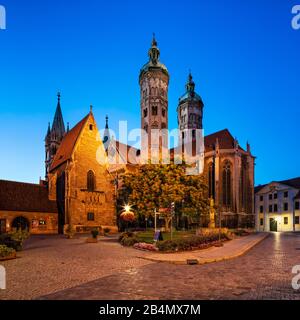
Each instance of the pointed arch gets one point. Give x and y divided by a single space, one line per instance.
91 181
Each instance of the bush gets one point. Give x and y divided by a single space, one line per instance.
106 230
70 231
6 251
128 239
6 240
95 233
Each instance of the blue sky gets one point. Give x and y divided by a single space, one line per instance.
244 57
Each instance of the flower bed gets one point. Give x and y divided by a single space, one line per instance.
145 246
192 243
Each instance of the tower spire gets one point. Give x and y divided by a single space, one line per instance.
106 134
154 51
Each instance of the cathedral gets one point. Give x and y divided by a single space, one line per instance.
82 182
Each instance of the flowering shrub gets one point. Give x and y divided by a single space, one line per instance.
145 246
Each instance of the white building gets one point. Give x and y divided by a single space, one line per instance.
277 206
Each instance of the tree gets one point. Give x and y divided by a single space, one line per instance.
157 186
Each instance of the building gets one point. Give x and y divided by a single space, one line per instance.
277 206
27 206
84 171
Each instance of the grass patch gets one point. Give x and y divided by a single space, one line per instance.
148 236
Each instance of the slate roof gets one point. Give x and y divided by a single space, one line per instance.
25 197
294 183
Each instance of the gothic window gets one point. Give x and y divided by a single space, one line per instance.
154 111
211 180
226 179
163 112
145 113
91 181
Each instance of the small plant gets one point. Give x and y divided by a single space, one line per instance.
6 251
70 231
106 231
18 237
95 233
128 239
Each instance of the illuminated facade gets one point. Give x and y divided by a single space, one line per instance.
277 206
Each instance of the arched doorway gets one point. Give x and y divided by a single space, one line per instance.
20 223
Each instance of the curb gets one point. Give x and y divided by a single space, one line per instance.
206 261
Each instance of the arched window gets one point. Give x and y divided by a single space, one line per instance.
226 179
91 181
211 180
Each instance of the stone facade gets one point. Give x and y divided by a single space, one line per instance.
154 82
82 186
37 222
230 173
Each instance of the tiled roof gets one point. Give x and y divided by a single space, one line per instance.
226 140
294 183
67 145
18 196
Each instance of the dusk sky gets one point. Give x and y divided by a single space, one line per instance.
244 57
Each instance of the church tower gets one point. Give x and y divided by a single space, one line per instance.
54 136
154 82
190 116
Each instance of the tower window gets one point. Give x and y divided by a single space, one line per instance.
146 128
91 127
145 113
163 126
163 112
154 111
91 181
90 216
194 134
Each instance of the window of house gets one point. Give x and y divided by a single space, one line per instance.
297 220
145 113
91 181
154 111
275 195
261 198
275 207
42 222
261 209
270 196
297 205
270 208
286 206
90 216
91 127
286 194
261 221
194 134
286 220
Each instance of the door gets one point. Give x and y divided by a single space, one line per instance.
273 225
20 223
2 226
